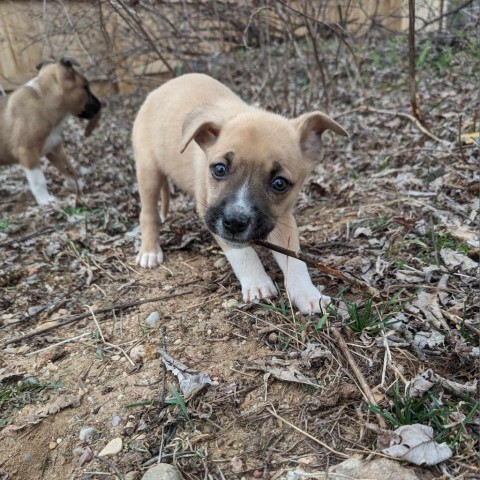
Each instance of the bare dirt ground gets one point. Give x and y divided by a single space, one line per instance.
389 205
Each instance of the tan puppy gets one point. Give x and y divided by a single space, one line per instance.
245 167
31 121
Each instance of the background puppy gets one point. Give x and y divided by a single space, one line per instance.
245 167
31 121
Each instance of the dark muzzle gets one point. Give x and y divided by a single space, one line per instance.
92 107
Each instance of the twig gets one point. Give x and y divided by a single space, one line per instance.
51 307
68 340
303 432
152 41
118 473
26 237
407 116
446 14
312 261
358 374
417 113
121 306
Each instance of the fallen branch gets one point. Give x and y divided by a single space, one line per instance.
411 118
303 432
313 262
358 374
76 318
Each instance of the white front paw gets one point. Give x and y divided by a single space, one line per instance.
257 288
308 299
45 199
150 259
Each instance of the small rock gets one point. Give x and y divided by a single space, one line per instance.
10 350
52 445
116 420
116 358
163 471
27 457
86 456
112 448
132 476
229 304
78 451
221 262
152 319
129 428
23 349
86 433
137 353
178 341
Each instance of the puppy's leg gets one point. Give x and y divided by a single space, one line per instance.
29 159
150 182
59 159
255 282
301 290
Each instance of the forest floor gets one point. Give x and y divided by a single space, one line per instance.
388 204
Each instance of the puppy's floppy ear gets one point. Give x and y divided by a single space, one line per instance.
202 125
43 63
69 62
311 126
66 73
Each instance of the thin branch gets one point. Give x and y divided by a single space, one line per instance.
303 432
76 318
407 116
358 374
411 64
313 261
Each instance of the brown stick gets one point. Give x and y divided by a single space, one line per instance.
358 374
76 318
417 113
313 262
411 118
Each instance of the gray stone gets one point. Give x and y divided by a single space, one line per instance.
163 471
356 469
137 353
86 433
132 476
221 262
112 448
153 319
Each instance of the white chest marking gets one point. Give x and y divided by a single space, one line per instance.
53 140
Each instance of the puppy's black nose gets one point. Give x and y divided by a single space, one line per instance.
236 223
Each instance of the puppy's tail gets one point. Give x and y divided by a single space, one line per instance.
165 197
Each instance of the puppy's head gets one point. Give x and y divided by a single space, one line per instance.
74 88
256 164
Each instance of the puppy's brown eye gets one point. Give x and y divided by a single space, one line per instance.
219 171
280 184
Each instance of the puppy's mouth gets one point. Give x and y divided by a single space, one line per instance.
91 108
238 227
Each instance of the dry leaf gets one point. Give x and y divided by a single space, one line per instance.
423 382
287 372
428 304
453 259
415 444
190 381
